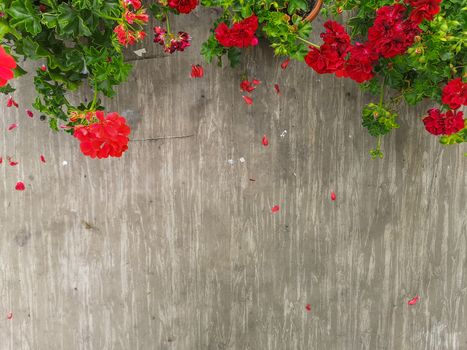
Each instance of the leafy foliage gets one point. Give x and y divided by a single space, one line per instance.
280 21
76 40
378 120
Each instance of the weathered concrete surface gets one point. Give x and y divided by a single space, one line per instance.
171 247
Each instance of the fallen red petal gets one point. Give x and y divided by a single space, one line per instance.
11 103
20 186
333 196
12 126
29 113
9 315
413 301
245 85
43 159
248 100
276 86
275 209
285 63
13 163
256 81
1 160
43 68
265 141
197 71
308 307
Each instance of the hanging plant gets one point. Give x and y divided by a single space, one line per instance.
412 50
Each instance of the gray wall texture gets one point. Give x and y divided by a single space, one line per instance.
172 247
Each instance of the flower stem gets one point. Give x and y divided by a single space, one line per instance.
94 100
168 23
108 17
381 96
308 42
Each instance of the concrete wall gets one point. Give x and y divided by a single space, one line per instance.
172 247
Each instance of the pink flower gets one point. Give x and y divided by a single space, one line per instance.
265 141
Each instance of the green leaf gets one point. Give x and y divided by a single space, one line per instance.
378 120
24 17
295 5
70 23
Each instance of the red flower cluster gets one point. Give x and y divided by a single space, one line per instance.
104 136
359 66
242 34
7 64
423 9
126 35
448 123
391 34
170 42
183 6
330 57
455 94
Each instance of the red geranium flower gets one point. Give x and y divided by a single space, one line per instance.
330 57
423 9
336 37
105 136
391 35
183 6
437 123
434 122
359 66
454 94
242 34
139 17
325 59
7 64
135 3
453 122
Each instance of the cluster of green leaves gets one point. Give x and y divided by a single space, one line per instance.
378 120
281 22
75 38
